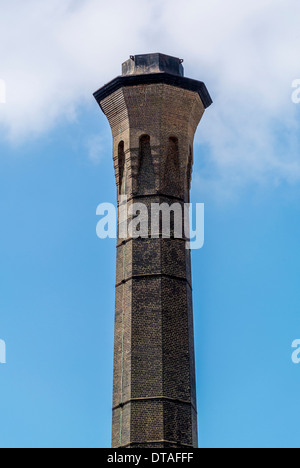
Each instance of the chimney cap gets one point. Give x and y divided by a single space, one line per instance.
152 63
153 69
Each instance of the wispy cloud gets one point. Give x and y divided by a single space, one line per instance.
95 147
54 54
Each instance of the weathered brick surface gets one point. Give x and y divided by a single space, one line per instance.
154 394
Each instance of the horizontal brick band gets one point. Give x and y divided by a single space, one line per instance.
151 442
155 78
156 398
154 275
152 195
124 241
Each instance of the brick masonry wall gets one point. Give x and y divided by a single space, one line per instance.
154 389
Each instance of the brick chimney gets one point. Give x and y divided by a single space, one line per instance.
153 111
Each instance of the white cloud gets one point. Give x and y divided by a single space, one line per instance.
54 54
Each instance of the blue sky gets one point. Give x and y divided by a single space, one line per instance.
57 278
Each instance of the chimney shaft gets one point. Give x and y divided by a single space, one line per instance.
153 111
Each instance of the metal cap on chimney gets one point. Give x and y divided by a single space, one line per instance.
152 63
